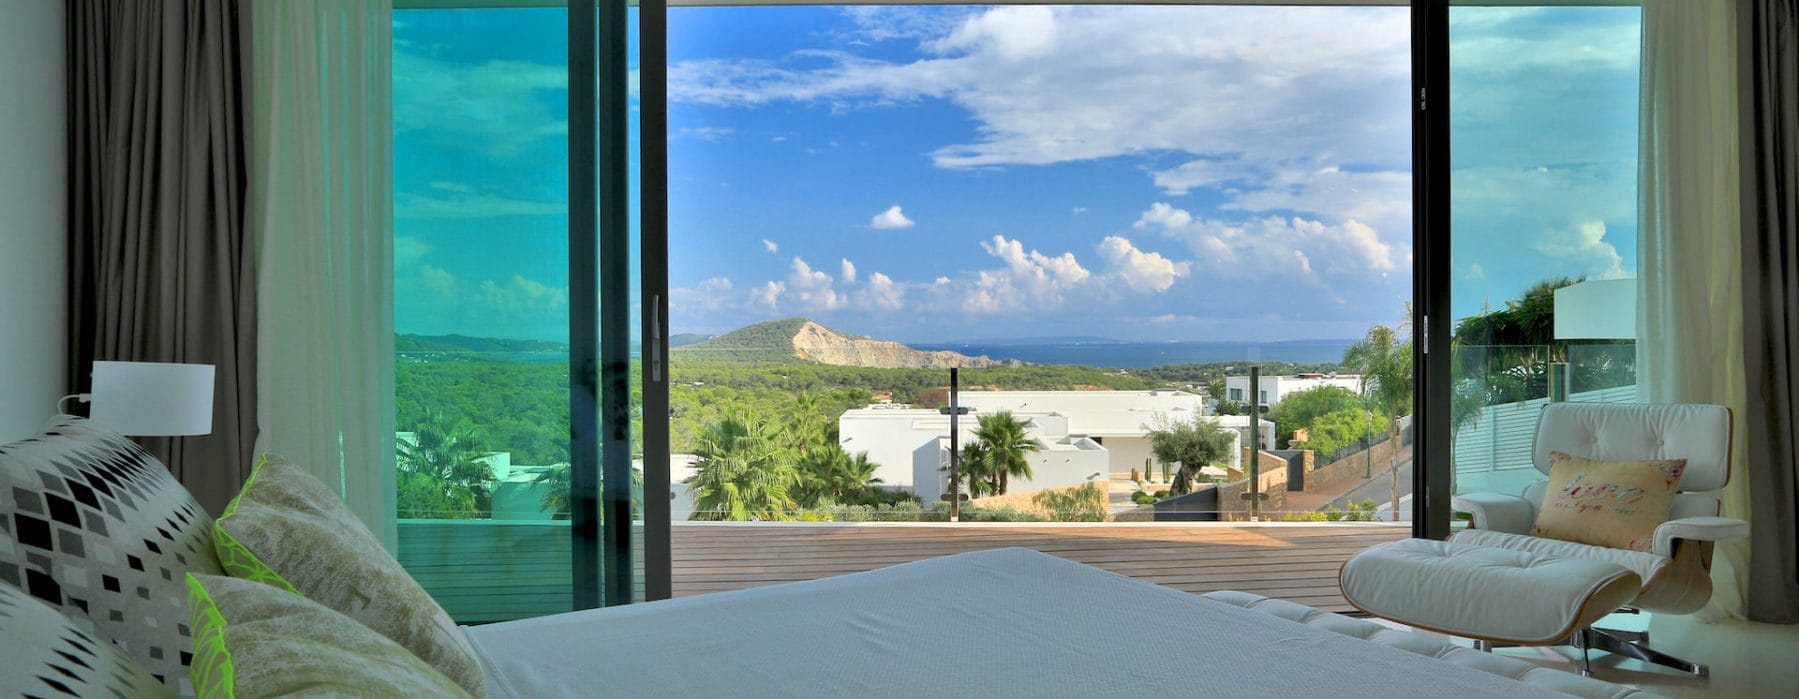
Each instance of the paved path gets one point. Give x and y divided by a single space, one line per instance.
1380 487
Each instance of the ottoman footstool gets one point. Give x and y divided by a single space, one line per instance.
1487 594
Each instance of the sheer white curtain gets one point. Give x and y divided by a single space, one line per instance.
322 171
1689 259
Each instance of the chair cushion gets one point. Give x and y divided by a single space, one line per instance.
98 528
1631 432
1645 565
292 532
1447 651
255 640
45 655
1607 503
1521 597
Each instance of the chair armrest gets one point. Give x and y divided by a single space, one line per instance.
1698 529
1501 513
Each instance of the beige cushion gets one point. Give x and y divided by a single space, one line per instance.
1617 504
290 531
254 640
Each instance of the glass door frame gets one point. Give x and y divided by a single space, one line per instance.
1431 380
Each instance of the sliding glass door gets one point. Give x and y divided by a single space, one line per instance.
1542 230
1105 219
515 273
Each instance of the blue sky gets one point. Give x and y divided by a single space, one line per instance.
944 173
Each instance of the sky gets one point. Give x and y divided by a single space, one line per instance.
934 174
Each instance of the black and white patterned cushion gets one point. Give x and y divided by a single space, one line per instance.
98 528
42 654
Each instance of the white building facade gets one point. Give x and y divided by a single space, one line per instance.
1082 435
1275 388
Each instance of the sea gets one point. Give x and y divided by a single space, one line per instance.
1139 355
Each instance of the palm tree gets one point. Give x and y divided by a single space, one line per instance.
441 471
1194 444
743 472
1385 363
832 475
1005 445
977 469
554 482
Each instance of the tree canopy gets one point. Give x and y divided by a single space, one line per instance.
1193 443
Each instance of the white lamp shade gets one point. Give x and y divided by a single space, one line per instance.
146 399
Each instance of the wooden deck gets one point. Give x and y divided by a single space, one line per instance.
1298 562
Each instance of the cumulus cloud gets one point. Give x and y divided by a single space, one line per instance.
1341 252
520 296
805 290
1139 270
768 295
770 245
891 218
1583 244
883 293
849 272
711 294
1029 277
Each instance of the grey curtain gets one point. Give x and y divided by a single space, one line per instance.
159 245
1769 88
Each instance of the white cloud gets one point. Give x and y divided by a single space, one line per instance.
1475 271
1058 84
891 218
707 133
461 205
805 290
1584 245
882 293
1342 253
770 245
710 294
1030 279
768 295
1080 209
849 272
519 296
497 107
1139 270
1195 174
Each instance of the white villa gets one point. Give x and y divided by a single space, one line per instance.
1275 388
1082 435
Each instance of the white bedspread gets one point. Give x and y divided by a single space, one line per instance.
1001 623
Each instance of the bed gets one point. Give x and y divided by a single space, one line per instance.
1005 622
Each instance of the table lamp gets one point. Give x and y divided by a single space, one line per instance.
152 399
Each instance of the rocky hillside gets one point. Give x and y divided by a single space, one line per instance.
799 339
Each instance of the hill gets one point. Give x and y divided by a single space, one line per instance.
801 340
464 343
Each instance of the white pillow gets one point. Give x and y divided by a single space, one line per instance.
97 528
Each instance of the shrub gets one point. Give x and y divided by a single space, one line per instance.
1084 504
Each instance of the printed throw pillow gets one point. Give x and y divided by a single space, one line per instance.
97 527
290 531
42 654
1617 504
254 640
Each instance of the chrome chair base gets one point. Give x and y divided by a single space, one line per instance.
1590 639
1595 639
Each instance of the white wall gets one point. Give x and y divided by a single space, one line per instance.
33 119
